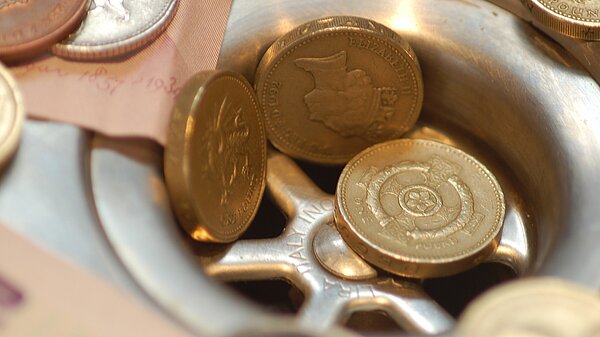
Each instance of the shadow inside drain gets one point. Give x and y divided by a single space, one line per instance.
274 295
268 223
455 292
326 177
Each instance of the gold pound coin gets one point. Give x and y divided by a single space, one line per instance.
575 18
332 87
215 157
12 115
419 208
544 307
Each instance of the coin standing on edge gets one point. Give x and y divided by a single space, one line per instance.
215 157
334 86
419 208
28 27
116 27
12 115
531 308
576 18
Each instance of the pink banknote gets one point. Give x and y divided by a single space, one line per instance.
131 96
41 295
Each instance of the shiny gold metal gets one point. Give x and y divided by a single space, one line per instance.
419 208
575 18
335 256
215 157
531 308
337 85
330 296
12 115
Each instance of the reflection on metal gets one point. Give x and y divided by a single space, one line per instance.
489 76
514 249
335 256
331 299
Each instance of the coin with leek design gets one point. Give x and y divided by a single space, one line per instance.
419 208
334 86
535 307
575 18
215 156
12 115
28 27
115 27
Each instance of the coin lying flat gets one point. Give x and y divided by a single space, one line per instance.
12 115
542 307
28 27
419 208
116 27
215 157
575 18
335 86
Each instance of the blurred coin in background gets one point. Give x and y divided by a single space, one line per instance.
116 27
215 157
575 18
12 115
535 307
28 27
335 86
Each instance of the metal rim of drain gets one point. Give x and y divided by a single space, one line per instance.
139 225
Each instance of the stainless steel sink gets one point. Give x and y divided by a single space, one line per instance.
494 86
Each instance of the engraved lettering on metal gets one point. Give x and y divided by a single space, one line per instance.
575 18
349 290
575 9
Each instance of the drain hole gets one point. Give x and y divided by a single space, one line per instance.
453 293
326 177
368 322
275 295
268 223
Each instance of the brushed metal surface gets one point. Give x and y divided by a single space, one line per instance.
486 72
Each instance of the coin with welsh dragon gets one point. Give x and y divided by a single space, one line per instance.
334 86
419 208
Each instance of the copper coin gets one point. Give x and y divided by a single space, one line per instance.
28 27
